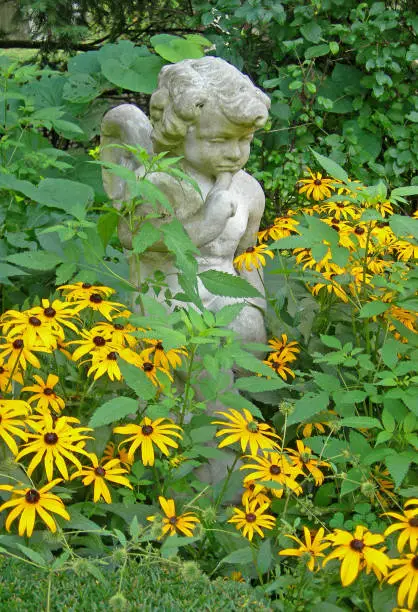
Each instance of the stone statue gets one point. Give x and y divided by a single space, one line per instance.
206 111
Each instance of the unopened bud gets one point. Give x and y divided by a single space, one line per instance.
286 408
118 602
190 571
368 488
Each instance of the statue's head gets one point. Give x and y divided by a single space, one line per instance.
202 107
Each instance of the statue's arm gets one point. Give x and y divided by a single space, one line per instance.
249 239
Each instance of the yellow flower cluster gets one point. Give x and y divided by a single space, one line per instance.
357 552
272 468
37 427
373 247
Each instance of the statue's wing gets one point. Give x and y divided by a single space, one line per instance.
125 124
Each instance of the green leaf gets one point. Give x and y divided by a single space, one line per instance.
264 557
361 422
35 260
307 406
352 481
203 434
106 226
398 466
331 167
317 51
241 556
178 242
311 31
222 283
175 49
70 196
403 226
326 381
130 67
228 313
237 401
254 384
372 309
137 380
353 396
32 555
113 410
331 341
146 236
7 270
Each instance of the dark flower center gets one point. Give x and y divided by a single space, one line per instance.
32 496
112 356
335 227
250 517
275 470
148 366
159 346
340 205
172 520
414 562
86 286
317 182
48 391
413 522
334 220
381 224
51 438
50 312
96 298
99 471
252 487
17 344
99 340
147 430
118 326
357 545
35 321
250 250
2 370
359 231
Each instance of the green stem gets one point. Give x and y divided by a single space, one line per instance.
188 385
48 595
227 479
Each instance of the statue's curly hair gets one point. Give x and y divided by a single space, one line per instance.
186 87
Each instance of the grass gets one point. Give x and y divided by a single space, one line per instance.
144 587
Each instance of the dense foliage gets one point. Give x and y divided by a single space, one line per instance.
103 416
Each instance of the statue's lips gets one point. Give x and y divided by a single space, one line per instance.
229 168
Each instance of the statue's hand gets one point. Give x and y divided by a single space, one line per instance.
219 197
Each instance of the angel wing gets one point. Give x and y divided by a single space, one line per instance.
124 124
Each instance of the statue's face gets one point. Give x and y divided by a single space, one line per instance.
215 145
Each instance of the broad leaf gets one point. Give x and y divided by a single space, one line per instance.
222 283
113 410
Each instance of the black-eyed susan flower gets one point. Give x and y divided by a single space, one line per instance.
275 468
281 368
254 491
407 573
356 552
55 441
31 329
310 548
56 314
96 302
305 460
282 349
82 291
316 186
159 432
20 353
110 452
91 342
7 375
282 227
242 427
99 472
45 395
119 334
252 519
408 525
166 358
253 257
29 502
105 361
309 428
152 371
341 210
172 523
330 285
12 422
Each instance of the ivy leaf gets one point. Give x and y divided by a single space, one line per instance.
222 283
113 410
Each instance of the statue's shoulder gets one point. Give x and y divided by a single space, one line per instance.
250 187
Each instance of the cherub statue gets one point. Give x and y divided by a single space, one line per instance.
206 111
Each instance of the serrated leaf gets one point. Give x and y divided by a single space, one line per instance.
352 482
258 385
239 557
308 406
146 236
330 166
138 381
372 309
228 313
32 555
222 283
403 226
113 410
361 422
398 466
331 341
35 260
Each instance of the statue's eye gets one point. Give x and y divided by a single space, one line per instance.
215 140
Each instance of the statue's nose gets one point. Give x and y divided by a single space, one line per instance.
234 152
